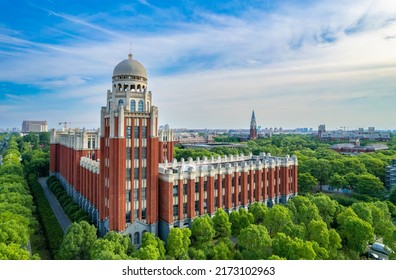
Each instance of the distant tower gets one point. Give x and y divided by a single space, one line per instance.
253 127
321 129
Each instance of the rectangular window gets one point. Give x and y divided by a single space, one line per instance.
185 189
128 174
136 153
175 210
196 205
136 194
143 193
128 132
175 191
135 214
128 196
128 217
144 172
128 153
206 186
136 132
196 187
136 173
144 152
144 131
185 208
144 214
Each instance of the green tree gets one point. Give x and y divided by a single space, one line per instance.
223 250
370 185
196 254
77 241
303 209
318 232
178 242
255 242
148 239
327 207
337 181
355 232
221 224
13 252
276 218
306 182
258 210
292 249
13 232
240 220
104 249
202 229
353 165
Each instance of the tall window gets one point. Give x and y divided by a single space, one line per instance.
140 109
133 105
144 131
128 132
136 132
136 238
128 174
120 103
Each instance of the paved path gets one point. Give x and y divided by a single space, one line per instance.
58 210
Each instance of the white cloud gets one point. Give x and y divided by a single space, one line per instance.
294 66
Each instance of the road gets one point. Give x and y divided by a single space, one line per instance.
56 208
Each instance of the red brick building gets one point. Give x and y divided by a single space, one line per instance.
125 177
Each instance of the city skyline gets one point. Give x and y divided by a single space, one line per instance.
295 63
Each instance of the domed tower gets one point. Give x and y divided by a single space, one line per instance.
129 146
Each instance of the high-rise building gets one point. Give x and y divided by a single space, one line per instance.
125 177
34 126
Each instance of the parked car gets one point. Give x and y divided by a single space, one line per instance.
379 247
373 256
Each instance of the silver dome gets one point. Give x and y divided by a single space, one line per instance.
130 67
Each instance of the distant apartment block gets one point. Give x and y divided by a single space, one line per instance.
361 134
390 175
34 126
354 148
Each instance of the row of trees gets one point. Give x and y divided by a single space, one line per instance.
72 210
17 222
307 227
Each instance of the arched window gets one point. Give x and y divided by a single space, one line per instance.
133 105
140 109
136 238
120 103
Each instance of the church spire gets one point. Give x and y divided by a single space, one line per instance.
253 127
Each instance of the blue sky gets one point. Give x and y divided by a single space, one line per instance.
209 63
